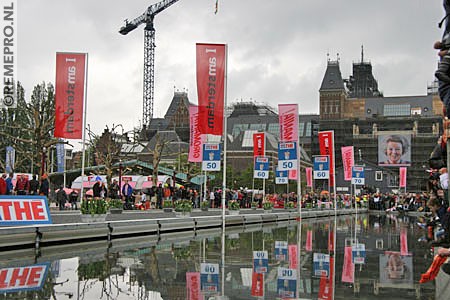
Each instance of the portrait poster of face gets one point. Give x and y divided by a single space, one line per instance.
396 270
394 149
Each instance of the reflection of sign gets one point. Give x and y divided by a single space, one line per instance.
321 167
281 250
287 283
211 157
193 286
261 167
359 253
257 284
396 270
287 156
24 210
209 277
260 261
23 278
321 264
358 175
281 177
10 159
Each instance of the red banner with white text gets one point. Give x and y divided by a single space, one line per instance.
403 176
69 95
348 161
259 147
288 117
196 138
257 284
211 64
326 145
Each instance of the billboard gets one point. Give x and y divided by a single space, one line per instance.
394 149
396 270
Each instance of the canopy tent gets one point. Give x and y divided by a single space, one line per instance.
137 182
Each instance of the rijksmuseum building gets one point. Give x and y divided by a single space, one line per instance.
353 107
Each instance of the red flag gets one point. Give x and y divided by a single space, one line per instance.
288 117
211 63
308 177
196 139
257 284
69 95
403 176
348 269
193 286
293 261
308 246
403 242
348 161
326 284
259 144
326 145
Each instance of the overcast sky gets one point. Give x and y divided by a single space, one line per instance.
277 49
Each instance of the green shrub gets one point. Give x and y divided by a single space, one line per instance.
183 206
233 205
267 205
290 205
114 203
96 206
167 204
204 204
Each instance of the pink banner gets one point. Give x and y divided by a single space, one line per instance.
193 286
308 246
348 161
196 138
293 262
403 176
348 269
309 182
288 116
292 174
403 242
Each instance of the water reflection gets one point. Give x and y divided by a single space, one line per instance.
368 256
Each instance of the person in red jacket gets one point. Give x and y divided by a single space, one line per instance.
3 184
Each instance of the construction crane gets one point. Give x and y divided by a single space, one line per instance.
149 52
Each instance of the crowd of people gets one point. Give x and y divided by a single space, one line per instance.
24 186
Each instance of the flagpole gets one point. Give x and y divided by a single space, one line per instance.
224 181
84 127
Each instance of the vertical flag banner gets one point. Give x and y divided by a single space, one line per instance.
326 285
211 157
211 63
309 182
281 177
209 278
288 117
196 138
287 156
10 159
348 270
293 261
260 261
261 167
359 253
403 176
259 144
403 242
326 145
348 161
193 286
321 264
281 250
308 246
287 283
257 284
60 156
69 95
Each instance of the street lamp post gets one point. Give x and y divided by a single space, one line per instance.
44 155
120 178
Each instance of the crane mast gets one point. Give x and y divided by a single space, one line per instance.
149 52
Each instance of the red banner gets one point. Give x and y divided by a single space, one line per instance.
331 240
326 284
211 63
308 246
193 290
196 138
403 176
69 95
288 116
259 147
326 145
309 181
348 269
293 261
403 242
348 161
257 284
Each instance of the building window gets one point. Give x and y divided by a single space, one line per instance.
247 140
392 110
301 127
274 128
308 129
416 111
378 176
259 126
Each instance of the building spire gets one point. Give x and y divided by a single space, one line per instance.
362 53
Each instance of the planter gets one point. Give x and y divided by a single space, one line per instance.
267 211
167 210
234 212
93 218
115 211
180 214
204 209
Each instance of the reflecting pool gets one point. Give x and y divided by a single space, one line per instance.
352 257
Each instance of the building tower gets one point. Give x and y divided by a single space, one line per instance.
332 92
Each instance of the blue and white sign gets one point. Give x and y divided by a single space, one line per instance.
209 278
287 283
260 261
60 156
281 250
321 168
321 264
211 157
281 177
358 175
24 210
10 159
359 253
287 156
261 167
22 279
